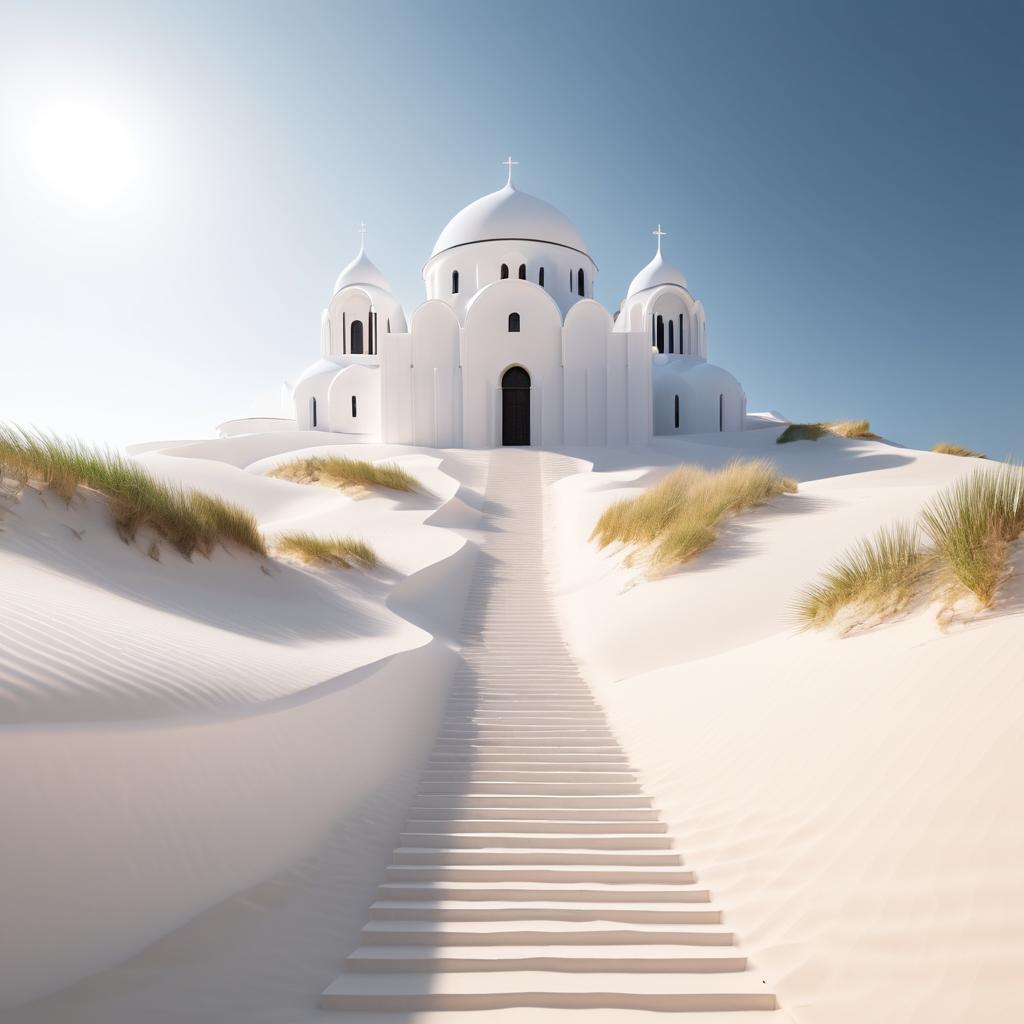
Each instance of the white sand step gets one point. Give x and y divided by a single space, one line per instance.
497 990
539 932
541 910
474 826
558 891
539 840
540 855
633 958
533 800
618 874
485 812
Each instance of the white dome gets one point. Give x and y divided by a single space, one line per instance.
361 271
509 213
657 273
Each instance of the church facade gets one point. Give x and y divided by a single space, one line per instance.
510 347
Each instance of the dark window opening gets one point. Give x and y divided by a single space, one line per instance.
540 277
671 337
355 345
681 351
570 280
389 324
659 333
515 406
354 413
579 281
513 323
455 282
721 412
522 271
504 271
677 412
312 412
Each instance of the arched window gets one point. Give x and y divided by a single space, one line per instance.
659 333
513 323
677 412
504 271
354 412
522 271
579 280
312 412
455 282
355 344
540 277
721 412
671 337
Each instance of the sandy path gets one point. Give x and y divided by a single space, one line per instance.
534 872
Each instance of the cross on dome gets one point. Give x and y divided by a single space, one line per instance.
510 163
362 234
661 234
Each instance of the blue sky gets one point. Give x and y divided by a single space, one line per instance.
840 182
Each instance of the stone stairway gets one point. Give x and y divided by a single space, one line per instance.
533 871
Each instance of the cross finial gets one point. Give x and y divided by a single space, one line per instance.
510 163
661 234
362 235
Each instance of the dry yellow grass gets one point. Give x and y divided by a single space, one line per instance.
678 517
875 579
837 428
190 520
341 471
972 524
946 448
343 552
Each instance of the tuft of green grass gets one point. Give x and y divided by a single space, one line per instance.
837 428
876 578
973 522
343 552
677 517
341 471
945 448
190 520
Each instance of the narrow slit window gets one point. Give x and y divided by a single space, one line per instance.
671 337
579 281
540 277
455 282
677 412
659 333
513 323
721 412
355 411
312 412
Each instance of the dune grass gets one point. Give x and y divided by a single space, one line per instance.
343 552
189 520
341 471
876 578
946 448
961 546
972 524
837 428
678 517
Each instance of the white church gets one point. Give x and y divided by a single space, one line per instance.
510 347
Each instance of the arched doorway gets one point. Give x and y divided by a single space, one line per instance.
515 406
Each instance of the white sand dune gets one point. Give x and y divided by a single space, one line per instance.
208 780
855 802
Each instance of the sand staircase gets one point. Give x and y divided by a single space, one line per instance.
533 871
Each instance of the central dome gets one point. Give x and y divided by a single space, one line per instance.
509 214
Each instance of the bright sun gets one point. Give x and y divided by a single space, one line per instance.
84 151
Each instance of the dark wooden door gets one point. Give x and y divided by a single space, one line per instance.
515 407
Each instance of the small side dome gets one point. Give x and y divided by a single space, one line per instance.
657 273
361 271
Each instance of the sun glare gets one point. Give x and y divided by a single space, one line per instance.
84 151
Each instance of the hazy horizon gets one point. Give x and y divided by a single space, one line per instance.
841 184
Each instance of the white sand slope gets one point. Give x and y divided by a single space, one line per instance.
849 806
855 802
